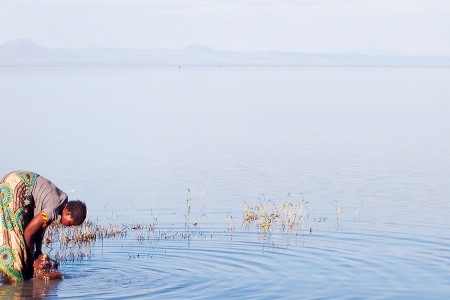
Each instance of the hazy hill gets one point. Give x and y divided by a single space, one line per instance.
28 53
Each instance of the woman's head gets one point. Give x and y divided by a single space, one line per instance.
74 213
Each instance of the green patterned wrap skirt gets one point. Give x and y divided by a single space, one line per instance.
16 209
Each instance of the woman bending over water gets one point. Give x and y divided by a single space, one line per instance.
28 204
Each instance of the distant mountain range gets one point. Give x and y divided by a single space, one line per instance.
26 53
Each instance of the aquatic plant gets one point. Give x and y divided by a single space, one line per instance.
71 243
288 215
357 211
196 223
339 212
229 223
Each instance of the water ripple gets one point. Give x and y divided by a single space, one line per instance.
249 265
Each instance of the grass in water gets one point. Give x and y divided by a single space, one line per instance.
267 215
75 243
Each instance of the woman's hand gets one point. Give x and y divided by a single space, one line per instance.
45 268
44 262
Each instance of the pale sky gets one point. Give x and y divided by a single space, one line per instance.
412 27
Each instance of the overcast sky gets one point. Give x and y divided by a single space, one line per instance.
393 26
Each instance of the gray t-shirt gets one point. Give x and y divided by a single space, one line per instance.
48 198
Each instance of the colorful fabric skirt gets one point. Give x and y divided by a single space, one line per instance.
16 211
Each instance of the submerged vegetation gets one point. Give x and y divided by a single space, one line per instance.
267 217
72 243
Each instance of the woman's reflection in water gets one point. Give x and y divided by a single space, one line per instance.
29 289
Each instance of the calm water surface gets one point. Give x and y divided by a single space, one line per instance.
136 143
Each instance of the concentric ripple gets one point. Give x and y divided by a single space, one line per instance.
251 265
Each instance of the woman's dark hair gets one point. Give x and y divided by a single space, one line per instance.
77 211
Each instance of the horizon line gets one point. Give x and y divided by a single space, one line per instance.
193 47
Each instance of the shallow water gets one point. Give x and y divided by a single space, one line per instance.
131 142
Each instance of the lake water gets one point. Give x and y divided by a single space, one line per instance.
366 148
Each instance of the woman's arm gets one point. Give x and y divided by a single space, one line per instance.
30 236
39 236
